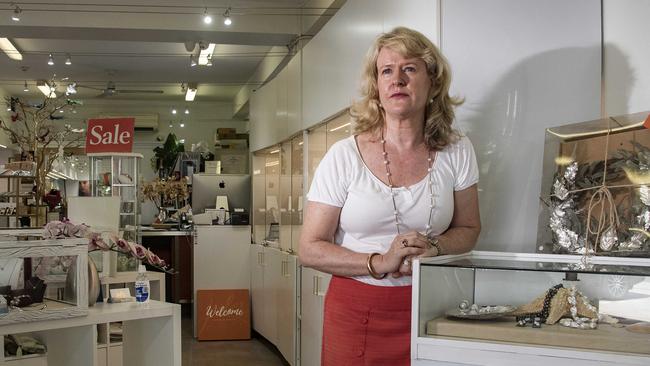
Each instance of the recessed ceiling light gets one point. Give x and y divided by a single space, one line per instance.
173 110
171 125
207 19
182 125
187 110
68 60
182 141
50 60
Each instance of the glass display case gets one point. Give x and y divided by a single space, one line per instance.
258 196
266 189
117 175
31 271
284 196
297 191
489 307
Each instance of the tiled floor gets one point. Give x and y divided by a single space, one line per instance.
226 353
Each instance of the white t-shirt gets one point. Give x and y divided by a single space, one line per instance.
367 222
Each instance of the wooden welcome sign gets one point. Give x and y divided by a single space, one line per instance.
223 315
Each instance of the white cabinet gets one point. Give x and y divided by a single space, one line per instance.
74 342
312 294
274 297
221 259
287 301
264 284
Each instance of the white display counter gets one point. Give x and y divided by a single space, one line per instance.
151 336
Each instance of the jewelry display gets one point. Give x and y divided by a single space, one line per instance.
478 312
554 305
463 306
576 321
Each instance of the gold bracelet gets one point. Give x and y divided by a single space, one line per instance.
371 270
435 243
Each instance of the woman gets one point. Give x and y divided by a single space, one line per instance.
403 186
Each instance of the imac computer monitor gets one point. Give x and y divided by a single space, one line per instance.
206 188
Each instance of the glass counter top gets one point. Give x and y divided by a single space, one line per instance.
546 263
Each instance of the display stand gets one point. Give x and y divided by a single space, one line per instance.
440 284
117 175
151 336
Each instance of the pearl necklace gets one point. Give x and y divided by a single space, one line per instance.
431 160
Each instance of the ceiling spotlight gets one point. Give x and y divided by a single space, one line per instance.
173 110
26 89
187 110
182 125
193 61
50 60
207 19
171 125
182 141
68 60
226 17
15 16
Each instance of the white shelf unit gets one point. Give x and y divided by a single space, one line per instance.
151 337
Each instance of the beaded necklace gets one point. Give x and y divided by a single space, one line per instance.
431 160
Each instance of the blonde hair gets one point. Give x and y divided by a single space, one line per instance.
368 114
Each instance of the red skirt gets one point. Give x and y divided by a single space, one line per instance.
366 325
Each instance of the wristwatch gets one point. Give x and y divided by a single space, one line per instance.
434 242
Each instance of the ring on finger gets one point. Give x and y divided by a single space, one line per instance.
405 243
407 262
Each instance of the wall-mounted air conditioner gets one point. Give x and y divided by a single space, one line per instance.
143 122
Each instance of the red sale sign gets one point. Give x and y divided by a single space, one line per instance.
110 135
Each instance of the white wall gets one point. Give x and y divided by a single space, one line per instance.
627 51
522 65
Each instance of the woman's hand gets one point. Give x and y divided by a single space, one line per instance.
427 250
406 245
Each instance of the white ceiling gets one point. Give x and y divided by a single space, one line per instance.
142 45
